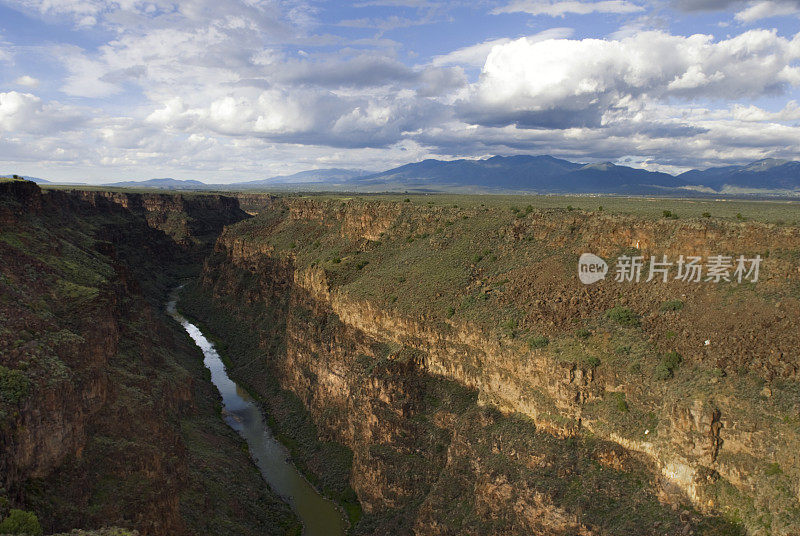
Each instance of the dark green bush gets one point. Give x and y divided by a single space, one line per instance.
669 214
620 403
14 385
583 333
21 522
666 367
623 316
538 341
672 305
773 469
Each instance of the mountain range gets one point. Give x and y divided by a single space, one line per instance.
521 174
162 184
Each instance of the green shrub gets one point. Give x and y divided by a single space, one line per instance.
673 359
706 214
21 522
509 327
620 403
669 214
672 305
666 367
773 469
593 361
451 311
662 372
538 341
583 333
14 385
623 316
622 350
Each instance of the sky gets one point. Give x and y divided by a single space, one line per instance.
225 91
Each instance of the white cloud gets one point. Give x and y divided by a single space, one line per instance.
559 8
768 8
27 81
475 55
751 113
24 113
586 82
218 90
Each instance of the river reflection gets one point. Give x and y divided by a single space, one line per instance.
320 516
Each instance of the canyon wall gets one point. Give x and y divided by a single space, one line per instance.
482 389
107 416
193 221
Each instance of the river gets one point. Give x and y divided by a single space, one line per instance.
320 516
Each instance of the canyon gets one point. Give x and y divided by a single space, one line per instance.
107 417
401 326
433 365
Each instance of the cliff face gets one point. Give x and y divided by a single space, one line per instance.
106 416
365 310
191 220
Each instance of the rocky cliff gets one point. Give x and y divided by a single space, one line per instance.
607 409
193 221
106 415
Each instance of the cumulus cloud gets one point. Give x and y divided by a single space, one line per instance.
554 8
227 88
25 113
584 82
752 113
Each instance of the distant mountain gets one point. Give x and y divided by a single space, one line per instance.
163 184
767 174
34 179
307 177
521 173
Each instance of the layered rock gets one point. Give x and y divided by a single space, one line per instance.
361 365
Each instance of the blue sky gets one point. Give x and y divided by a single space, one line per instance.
224 91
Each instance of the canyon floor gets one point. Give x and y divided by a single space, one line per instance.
433 363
